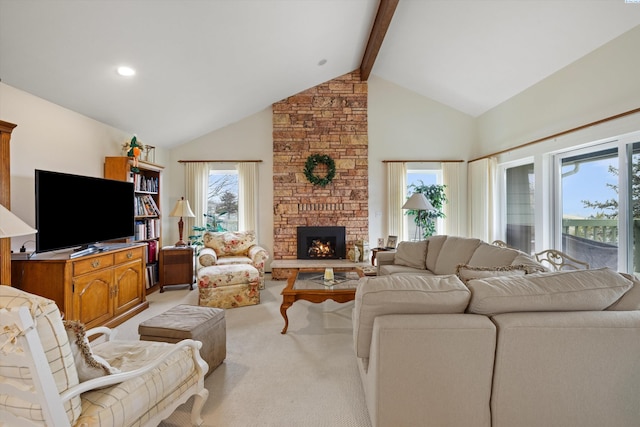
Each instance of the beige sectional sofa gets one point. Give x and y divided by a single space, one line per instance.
529 350
443 254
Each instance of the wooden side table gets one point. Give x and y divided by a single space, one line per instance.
375 251
176 266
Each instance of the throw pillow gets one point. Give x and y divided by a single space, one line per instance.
411 254
579 290
88 365
467 272
631 299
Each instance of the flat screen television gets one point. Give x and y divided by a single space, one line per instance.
75 211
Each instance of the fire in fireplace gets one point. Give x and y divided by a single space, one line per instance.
321 243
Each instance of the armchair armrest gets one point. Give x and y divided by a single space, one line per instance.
207 257
258 256
110 380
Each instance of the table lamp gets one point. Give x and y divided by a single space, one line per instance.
182 209
11 225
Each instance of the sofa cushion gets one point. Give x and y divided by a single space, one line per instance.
404 294
547 291
411 254
153 391
55 344
389 269
467 272
455 250
631 299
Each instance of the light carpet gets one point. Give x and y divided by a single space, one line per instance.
305 378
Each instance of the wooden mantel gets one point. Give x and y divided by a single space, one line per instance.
5 197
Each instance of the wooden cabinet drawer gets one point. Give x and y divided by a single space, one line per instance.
129 255
92 264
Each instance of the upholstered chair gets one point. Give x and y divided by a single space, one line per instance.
233 247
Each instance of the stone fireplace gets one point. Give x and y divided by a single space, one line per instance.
321 243
328 119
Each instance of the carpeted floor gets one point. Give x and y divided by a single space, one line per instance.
306 378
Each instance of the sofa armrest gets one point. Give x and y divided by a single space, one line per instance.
384 258
435 367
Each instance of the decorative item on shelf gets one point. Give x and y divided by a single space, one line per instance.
356 254
12 226
182 209
310 166
392 241
381 242
133 149
418 202
149 153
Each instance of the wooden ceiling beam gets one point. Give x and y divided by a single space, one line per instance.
386 10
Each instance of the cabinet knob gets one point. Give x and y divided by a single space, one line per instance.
95 263
129 255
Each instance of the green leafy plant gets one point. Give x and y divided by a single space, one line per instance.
426 220
212 224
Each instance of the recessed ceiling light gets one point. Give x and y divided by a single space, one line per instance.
322 62
126 71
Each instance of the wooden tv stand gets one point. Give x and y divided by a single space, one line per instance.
102 289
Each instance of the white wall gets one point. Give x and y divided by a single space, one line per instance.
51 137
602 84
248 139
406 126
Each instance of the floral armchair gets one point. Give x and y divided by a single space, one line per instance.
233 247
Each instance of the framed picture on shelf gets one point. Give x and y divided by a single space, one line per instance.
392 241
380 242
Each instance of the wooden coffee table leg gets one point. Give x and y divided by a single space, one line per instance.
283 311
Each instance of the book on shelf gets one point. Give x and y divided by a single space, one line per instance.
145 206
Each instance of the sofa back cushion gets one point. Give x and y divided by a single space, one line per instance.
410 294
411 254
55 344
487 255
452 251
229 243
579 290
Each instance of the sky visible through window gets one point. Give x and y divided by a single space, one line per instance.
590 183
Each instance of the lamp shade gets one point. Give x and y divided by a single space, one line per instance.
418 202
11 225
182 209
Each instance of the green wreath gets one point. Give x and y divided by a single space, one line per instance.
315 160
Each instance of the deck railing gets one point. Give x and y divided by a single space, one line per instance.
599 230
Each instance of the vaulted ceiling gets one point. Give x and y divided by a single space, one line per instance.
203 64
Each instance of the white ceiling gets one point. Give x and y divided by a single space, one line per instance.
203 64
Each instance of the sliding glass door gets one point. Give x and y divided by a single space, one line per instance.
597 204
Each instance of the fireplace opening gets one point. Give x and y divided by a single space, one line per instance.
321 243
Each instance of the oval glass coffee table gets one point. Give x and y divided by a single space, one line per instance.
308 284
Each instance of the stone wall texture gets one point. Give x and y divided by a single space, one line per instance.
330 119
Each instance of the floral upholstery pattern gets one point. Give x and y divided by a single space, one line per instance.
228 285
233 247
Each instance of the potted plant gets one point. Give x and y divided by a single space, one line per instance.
426 220
212 223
